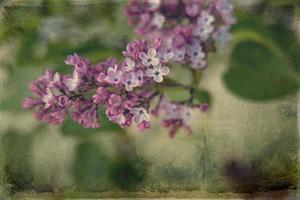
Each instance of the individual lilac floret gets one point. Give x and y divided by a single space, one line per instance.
73 82
150 58
130 81
130 64
222 35
157 72
140 115
113 76
180 23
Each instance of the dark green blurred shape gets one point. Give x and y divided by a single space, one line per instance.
90 167
264 63
257 73
202 96
127 173
17 150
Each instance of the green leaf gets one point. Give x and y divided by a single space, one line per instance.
202 96
258 72
177 94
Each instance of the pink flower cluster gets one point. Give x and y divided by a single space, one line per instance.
189 27
124 89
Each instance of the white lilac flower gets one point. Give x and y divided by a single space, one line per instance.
113 75
203 31
171 111
120 119
185 115
55 83
130 64
73 82
179 54
195 51
130 81
154 4
198 64
140 77
158 20
140 115
204 25
205 19
224 6
222 36
157 73
150 58
48 98
165 56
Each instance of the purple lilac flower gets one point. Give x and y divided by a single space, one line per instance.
73 82
130 64
157 72
140 115
50 107
150 58
118 87
130 81
222 35
180 23
175 116
204 107
176 31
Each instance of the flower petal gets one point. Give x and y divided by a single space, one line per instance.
128 87
155 61
169 56
158 78
152 52
146 117
165 71
149 72
143 56
146 63
71 84
130 62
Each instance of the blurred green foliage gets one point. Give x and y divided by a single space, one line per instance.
17 150
90 167
264 61
127 173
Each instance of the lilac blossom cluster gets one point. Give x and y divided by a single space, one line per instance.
190 28
131 91
124 89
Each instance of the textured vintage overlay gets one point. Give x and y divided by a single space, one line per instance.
240 149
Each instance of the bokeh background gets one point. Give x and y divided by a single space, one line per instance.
238 146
